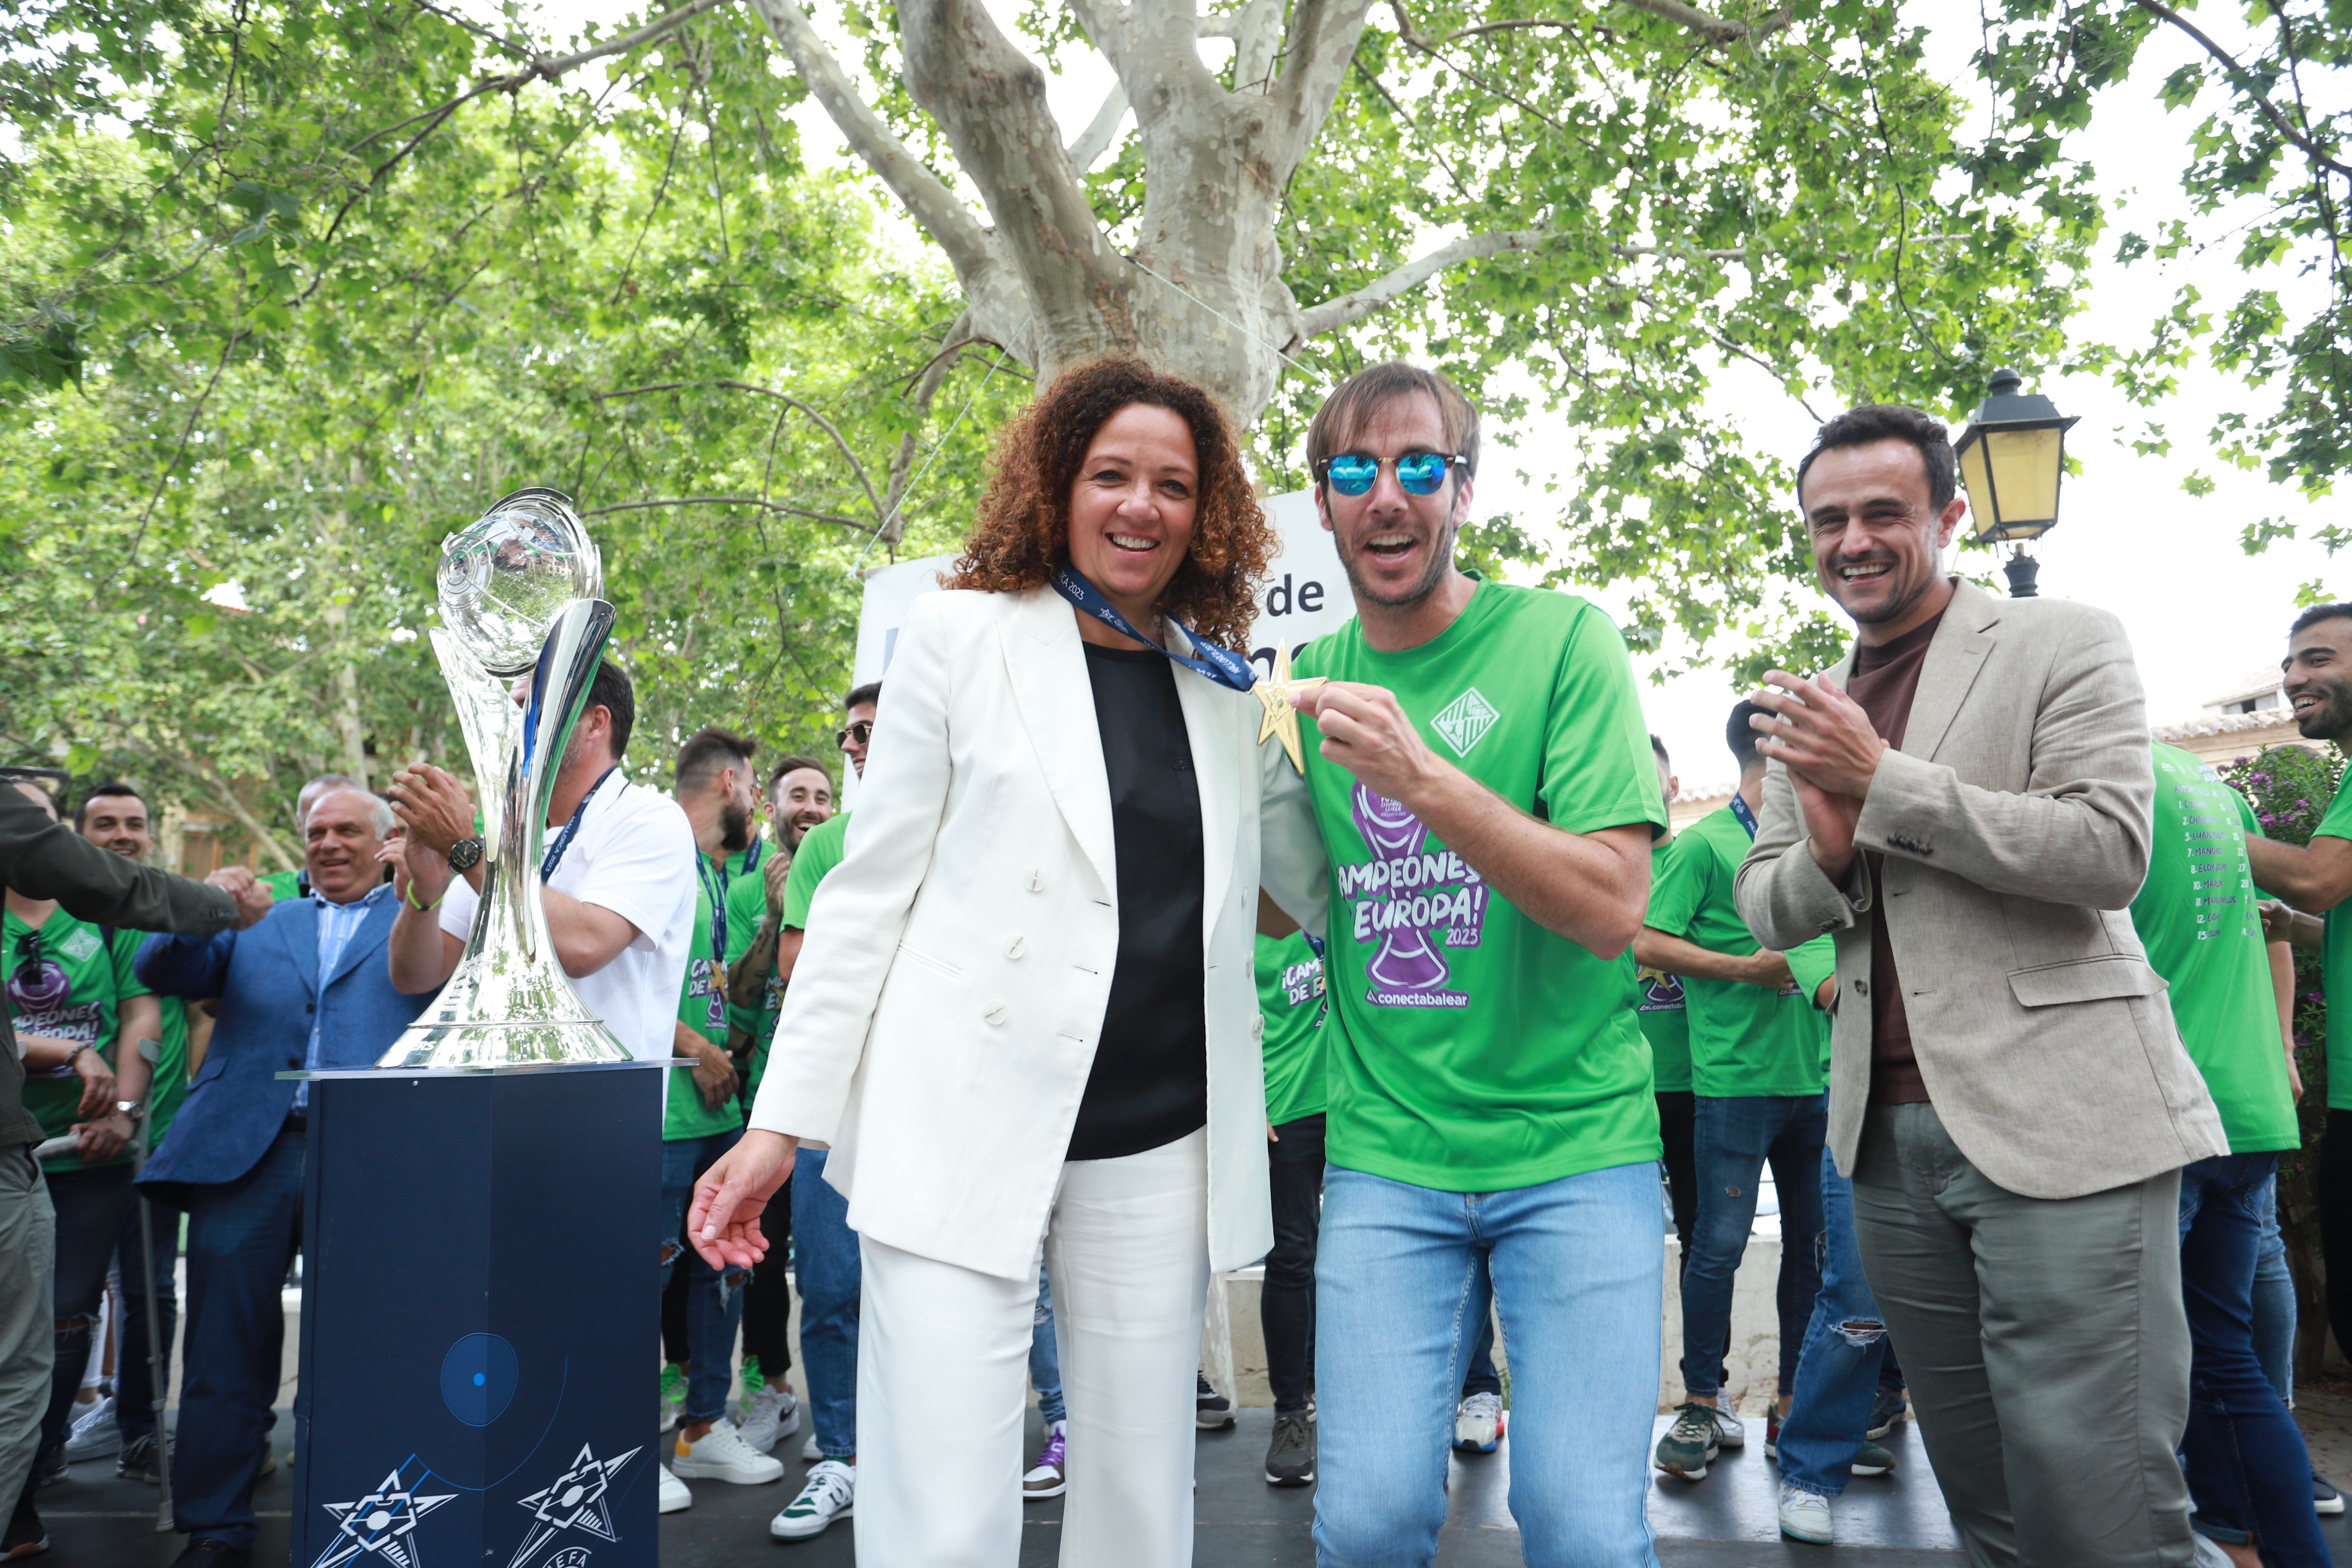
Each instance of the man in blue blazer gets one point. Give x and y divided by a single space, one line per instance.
306 987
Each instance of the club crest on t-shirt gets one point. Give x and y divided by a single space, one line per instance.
40 994
1465 720
1404 897
1661 992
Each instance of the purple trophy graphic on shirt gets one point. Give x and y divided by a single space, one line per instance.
38 989
1406 962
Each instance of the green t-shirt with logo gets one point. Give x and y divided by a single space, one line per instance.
821 850
283 885
1290 996
1475 1051
702 1008
74 991
170 1086
747 907
2197 916
1744 1039
2336 956
1662 1013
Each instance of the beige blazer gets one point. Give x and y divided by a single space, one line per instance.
948 1001
2015 824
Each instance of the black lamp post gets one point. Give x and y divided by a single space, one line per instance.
2011 457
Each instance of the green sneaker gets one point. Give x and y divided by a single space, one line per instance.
754 1380
673 1395
1699 1430
1873 1460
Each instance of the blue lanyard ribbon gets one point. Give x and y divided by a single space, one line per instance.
1746 817
554 855
714 887
1225 668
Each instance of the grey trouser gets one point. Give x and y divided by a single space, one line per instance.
2045 1344
28 1251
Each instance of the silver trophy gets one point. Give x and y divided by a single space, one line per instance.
521 628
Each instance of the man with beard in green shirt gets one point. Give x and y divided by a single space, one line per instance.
1472 834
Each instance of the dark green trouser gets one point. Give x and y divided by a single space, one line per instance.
2045 1344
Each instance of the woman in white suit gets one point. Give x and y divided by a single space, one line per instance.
1024 1014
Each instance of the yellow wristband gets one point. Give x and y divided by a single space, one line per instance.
410 898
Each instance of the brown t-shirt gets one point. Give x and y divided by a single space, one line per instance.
1883 681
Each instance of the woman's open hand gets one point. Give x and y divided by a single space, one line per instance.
723 1222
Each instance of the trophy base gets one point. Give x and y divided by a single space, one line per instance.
525 1042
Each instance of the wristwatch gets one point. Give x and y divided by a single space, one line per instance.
465 854
132 1108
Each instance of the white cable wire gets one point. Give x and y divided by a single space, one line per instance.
899 509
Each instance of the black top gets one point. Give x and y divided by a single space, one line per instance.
1149 1085
44 859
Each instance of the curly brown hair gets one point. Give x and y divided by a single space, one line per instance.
1024 515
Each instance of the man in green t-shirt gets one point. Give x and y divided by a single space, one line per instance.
701 1119
1664 1013
2249 1472
799 796
1292 1002
114 817
79 1013
1472 833
1759 1051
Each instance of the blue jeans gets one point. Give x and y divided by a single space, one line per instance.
1844 1347
89 1203
242 1236
714 1299
1045 1356
1732 1137
1577 1270
2274 1311
825 1256
1482 1377
2248 1468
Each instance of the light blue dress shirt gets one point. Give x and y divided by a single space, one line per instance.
336 924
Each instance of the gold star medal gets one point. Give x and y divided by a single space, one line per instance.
1281 720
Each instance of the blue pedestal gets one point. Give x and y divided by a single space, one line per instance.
478 1372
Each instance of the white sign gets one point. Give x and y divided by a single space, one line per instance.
1305 592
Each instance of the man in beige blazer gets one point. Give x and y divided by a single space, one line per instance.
1964 805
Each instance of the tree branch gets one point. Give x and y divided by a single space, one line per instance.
2241 79
1100 132
833 518
847 456
1713 28
1354 307
1316 54
925 197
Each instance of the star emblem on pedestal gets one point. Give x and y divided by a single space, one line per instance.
381 1522
1280 720
576 1499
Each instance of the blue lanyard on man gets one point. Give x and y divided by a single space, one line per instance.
714 888
1223 666
1746 817
554 855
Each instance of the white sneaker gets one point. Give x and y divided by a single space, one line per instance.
1805 1516
832 1488
810 1452
769 1416
94 1434
723 1455
1478 1424
674 1497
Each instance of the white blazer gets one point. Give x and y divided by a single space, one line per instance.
947 1002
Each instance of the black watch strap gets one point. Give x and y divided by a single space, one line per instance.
465 854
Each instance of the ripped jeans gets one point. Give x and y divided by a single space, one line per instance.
1837 1372
714 1301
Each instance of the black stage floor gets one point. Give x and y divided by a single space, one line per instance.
1724 1521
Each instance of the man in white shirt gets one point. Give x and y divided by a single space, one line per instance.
619 896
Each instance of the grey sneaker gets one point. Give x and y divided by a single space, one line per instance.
1290 1457
140 1460
1699 1430
1870 1460
1214 1411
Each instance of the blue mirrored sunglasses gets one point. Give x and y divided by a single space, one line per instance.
1353 473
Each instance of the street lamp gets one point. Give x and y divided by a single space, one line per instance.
2010 459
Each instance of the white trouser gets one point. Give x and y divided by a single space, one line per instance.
943 1379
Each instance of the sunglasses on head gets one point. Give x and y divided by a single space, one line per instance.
862 732
1354 473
